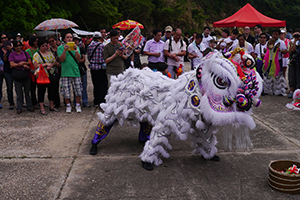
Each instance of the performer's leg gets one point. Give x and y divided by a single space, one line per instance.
145 130
101 133
205 143
156 147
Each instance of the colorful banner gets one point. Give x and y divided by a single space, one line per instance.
132 40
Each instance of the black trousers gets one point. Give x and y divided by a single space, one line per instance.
56 97
99 80
33 93
42 91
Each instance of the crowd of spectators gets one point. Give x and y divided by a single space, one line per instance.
63 58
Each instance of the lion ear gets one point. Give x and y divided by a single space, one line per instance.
199 73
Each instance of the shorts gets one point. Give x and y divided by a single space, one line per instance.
285 62
65 86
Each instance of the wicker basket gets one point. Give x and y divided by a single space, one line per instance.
288 183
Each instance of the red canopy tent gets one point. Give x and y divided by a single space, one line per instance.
249 16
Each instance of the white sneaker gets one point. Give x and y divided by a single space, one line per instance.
68 109
78 109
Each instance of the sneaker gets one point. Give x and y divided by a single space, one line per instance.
94 149
68 109
87 105
215 158
78 109
290 95
147 165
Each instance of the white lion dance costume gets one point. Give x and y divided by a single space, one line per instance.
219 92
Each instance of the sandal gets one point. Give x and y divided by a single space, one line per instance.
36 107
54 109
43 112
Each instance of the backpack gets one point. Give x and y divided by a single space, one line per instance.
170 46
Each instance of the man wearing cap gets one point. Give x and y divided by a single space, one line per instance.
154 49
168 33
84 95
206 36
175 50
18 36
98 69
249 38
223 42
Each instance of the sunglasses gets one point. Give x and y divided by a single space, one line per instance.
50 41
263 37
19 45
3 37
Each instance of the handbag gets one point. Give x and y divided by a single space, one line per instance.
54 78
20 75
42 78
81 69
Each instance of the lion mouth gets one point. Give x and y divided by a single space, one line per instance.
216 103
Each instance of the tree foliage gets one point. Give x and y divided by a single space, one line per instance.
189 15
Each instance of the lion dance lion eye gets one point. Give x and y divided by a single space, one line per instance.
221 83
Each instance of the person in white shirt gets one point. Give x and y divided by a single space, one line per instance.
260 51
282 46
223 42
261 48
175 50
245 45
195 50
206 36
274 82
233 40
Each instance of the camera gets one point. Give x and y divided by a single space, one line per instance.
296 36
294 57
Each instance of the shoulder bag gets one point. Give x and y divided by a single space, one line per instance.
81 69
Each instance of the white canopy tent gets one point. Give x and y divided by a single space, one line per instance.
80 32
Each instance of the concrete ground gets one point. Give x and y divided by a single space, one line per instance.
47 157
